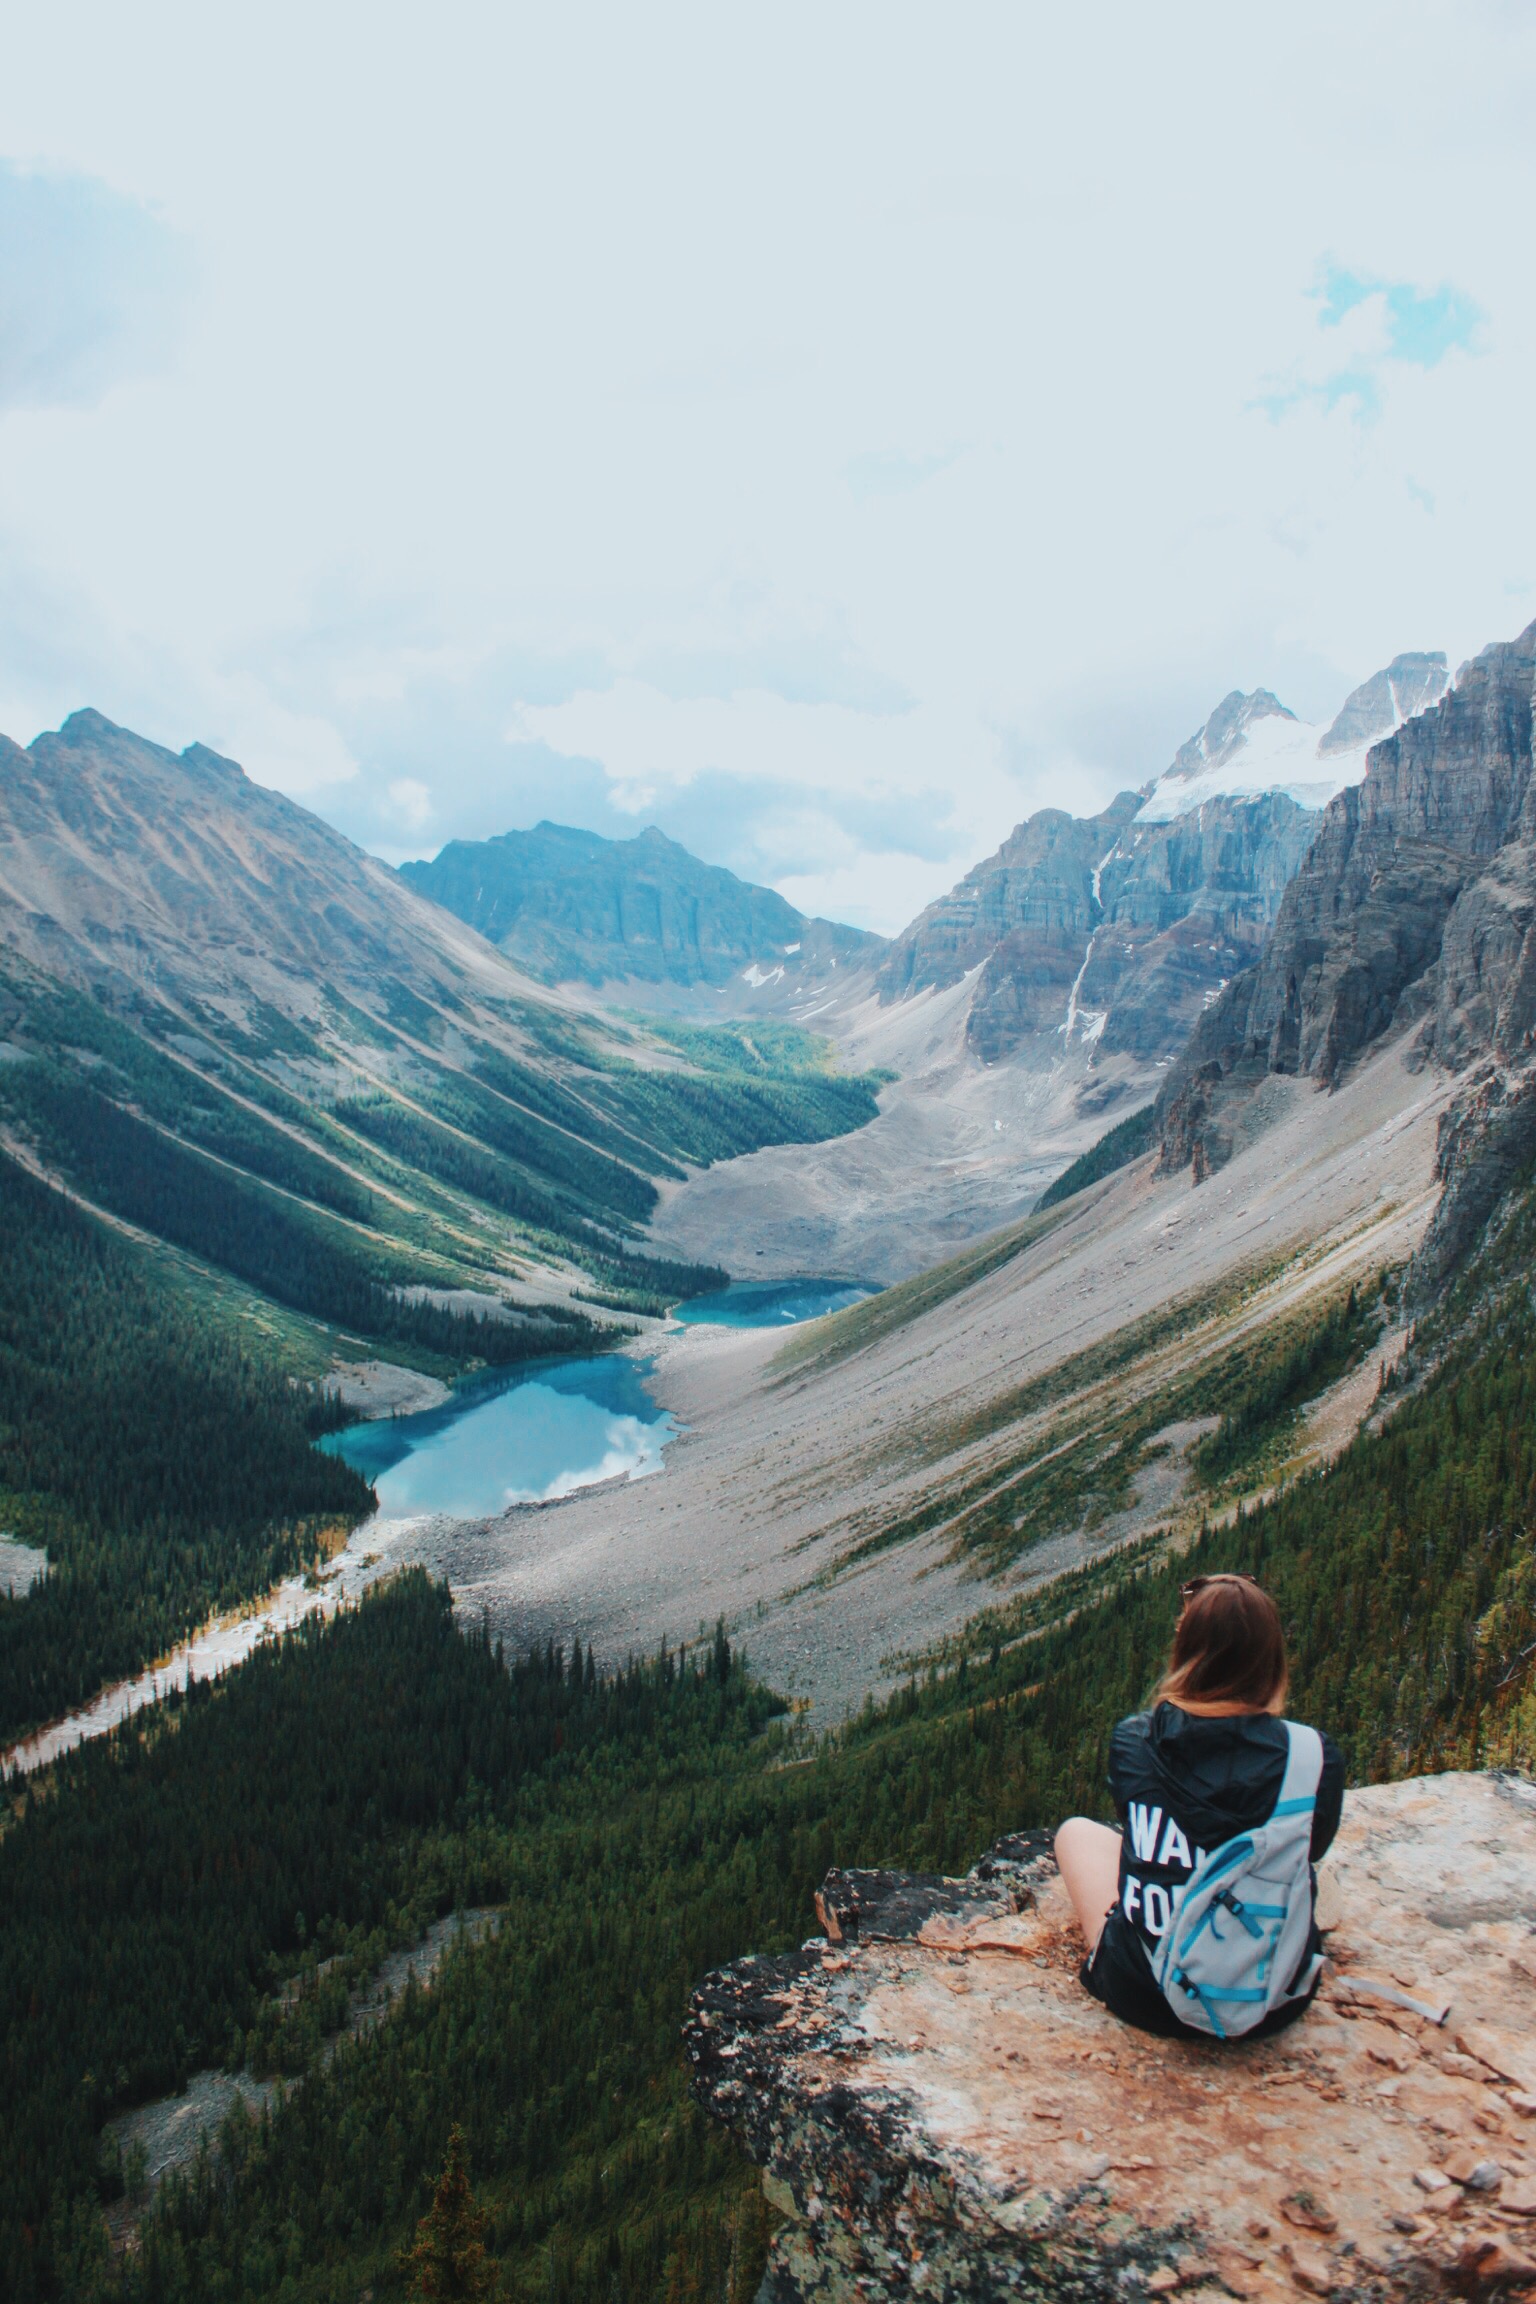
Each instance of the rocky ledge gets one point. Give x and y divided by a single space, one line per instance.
940 2111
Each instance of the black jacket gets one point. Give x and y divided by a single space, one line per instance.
1182 1785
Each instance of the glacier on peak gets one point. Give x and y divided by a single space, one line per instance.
1253 744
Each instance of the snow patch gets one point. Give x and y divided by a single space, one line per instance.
1251 745
1098 875
1067 1029
1275 756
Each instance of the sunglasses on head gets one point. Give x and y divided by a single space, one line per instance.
1226 1576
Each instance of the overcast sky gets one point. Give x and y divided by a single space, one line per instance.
826 432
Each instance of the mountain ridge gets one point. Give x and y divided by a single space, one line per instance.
1049 992
157 867
575 907
1253 744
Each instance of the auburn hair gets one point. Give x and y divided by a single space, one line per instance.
1229 1647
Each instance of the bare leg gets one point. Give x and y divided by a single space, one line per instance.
1089 1857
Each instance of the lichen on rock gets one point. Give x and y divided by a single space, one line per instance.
940 2111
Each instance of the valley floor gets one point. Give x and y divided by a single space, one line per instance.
836 1499
959 1148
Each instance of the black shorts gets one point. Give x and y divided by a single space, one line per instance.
1119 1974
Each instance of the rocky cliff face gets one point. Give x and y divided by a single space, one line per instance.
1104 932
1414 905
1186 907
1111 934
941 2111
572 907
1033 904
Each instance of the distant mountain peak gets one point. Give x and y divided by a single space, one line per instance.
1226 731
211 763
1254 745
91 731
1403 689
576 907
86 725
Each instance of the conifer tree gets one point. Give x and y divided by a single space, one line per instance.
448 2264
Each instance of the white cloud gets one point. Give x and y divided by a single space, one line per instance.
1366 326
93 288
647 740
412 803
887 472
876 891
809 458
300 753
796 766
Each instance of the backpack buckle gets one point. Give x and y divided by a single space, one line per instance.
1239 1913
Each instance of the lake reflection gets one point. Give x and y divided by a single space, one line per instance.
521 1436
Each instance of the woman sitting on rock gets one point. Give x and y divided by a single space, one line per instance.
1199 1910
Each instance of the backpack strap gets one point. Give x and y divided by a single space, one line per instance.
1303 1771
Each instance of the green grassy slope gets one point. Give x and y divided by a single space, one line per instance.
333 1166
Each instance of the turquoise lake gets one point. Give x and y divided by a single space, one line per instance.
527 1435
772 1303
522 1436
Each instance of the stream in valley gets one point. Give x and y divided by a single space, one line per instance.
521 1436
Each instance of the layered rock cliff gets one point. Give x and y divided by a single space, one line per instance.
1113 933
1187 905
1036 899
572 907
1413 907
1103 932
941 2111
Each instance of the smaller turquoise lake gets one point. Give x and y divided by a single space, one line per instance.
522 1436
772 1303
527 1435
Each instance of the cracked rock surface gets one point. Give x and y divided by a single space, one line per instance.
940 2111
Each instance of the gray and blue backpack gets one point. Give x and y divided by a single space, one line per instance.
1236 1944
